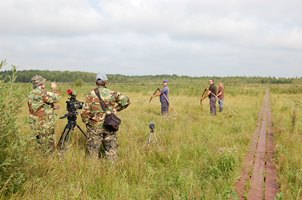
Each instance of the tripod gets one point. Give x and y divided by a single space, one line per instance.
68 130
152 126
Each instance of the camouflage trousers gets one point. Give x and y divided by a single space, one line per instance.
44 132
101 143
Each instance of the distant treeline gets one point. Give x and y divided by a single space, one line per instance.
25 76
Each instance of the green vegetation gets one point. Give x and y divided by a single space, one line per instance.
287 130
12 147
197 156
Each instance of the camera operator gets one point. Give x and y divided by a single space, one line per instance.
41 113
93 115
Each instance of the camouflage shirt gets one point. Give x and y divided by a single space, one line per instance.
92 111
41 102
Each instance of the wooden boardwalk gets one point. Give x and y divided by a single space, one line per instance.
258 178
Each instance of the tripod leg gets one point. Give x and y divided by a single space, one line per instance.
155 139
61 140
82 131
150 137
65 138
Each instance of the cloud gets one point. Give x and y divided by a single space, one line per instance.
192 37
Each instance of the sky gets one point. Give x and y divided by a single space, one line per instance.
151 37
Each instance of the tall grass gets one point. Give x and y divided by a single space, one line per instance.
197 156
288 129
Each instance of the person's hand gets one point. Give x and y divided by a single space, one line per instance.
53 85
56 107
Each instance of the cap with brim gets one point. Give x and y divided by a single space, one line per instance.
101 77
38 80
165 81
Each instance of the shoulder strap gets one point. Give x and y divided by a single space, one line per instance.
103 104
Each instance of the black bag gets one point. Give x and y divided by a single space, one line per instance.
111 122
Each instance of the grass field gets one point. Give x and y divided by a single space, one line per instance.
198 156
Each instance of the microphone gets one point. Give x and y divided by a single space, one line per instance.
152 126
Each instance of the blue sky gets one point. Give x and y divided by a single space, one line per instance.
143 37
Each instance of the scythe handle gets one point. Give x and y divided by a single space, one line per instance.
224 103
154 94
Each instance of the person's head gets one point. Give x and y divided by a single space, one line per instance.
220 84
38 81
211 81
165 82
101 79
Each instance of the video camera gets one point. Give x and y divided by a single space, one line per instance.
72 105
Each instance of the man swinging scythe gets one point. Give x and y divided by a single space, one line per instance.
163 97
211 92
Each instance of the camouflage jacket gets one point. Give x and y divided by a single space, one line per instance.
41 102
92 111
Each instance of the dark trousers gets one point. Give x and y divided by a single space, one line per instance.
164 108
213 105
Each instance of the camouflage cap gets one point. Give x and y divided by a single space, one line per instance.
38 80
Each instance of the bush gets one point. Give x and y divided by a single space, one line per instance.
12 160
78 83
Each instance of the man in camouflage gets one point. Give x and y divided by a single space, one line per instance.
41 113
99 138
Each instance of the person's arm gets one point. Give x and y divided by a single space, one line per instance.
51 97
86 110
209 90
157 94
220 91
122 101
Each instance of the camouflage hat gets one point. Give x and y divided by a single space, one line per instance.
38 80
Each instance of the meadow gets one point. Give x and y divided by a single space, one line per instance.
197 156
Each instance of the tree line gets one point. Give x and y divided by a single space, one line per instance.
24 76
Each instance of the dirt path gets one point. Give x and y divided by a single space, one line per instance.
258 178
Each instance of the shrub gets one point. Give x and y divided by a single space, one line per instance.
78 83
12 161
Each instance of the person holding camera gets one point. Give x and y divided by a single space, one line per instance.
41 104
98 113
